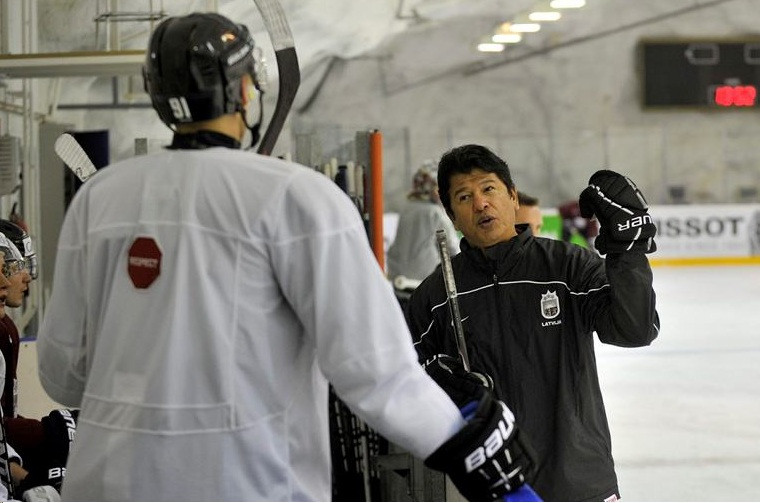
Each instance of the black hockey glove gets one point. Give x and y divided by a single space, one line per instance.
461 386
622 213
488 458
59 428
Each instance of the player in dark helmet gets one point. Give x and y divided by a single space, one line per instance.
200 67
23 242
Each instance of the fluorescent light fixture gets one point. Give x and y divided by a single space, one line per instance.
490 47
525 27
506 38
544 16
567 4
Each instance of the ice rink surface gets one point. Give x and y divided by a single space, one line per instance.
685 411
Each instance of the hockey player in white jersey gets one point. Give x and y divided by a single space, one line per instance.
204 296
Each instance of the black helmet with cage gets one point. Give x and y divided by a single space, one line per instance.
23 243
194 66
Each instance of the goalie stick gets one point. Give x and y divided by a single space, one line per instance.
287 68
73 155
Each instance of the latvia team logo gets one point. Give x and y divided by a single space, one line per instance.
549 305
144 262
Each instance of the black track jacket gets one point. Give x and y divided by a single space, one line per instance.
529 308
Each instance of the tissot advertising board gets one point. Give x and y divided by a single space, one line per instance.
715 230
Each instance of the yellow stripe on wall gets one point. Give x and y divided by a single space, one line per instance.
754 260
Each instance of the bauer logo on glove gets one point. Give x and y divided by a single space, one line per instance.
486 460
493 443
622 213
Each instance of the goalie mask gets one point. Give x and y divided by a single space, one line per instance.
194 70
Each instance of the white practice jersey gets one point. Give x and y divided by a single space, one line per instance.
202 300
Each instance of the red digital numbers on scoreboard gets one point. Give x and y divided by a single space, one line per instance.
735 96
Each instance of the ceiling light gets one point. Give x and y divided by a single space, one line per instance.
544 16
506 38
490 47
567 4
525 27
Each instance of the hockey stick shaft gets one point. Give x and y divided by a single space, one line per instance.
451 295
287 68
524 492
5 465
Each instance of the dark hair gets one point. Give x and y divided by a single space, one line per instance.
524 199
462 160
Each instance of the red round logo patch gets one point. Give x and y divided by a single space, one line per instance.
144 262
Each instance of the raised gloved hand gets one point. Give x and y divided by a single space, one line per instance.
622 213
489 457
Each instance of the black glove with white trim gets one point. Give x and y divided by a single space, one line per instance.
461 385
489 457
48 468
622 213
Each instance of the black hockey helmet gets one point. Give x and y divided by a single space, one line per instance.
23 242
194 66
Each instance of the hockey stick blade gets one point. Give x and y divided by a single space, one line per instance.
74 156
287 68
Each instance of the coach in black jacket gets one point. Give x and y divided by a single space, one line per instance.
529 309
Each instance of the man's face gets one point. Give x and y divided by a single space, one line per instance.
19 284
530 215
483 208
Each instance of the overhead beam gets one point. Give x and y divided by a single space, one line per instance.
71 64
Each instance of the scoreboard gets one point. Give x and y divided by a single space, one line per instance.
718 74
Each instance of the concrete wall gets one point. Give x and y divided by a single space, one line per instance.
556 116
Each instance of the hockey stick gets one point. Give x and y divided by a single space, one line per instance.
5 465
73 155
525 492
287 67
451 295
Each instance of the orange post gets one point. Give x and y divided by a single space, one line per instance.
376 211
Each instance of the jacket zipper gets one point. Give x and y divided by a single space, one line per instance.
511 390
